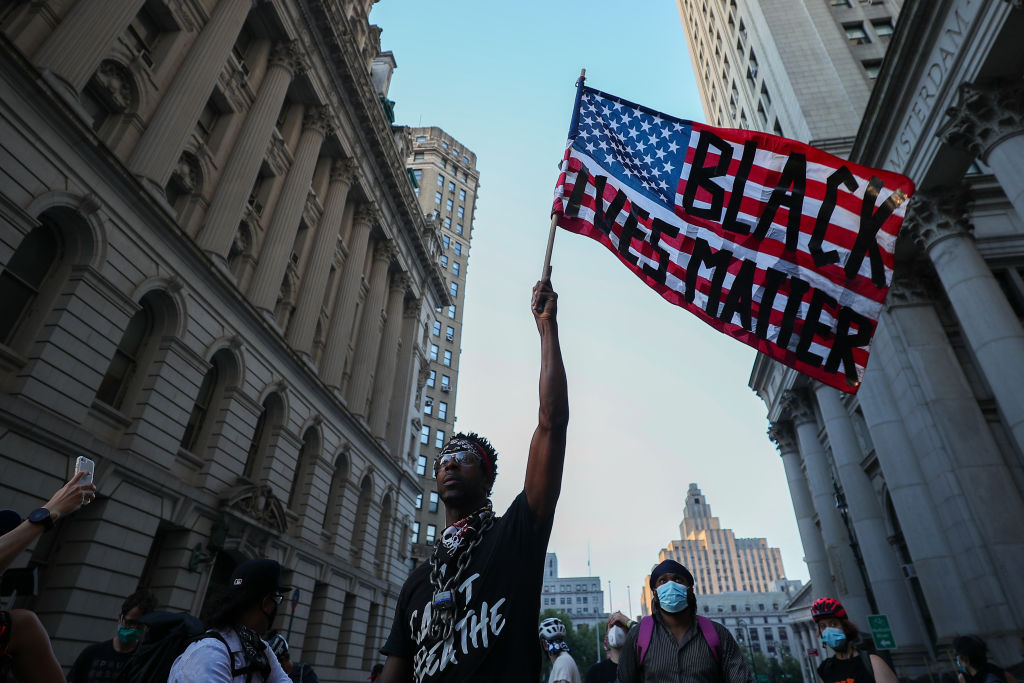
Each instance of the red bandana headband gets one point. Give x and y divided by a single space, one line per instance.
461 444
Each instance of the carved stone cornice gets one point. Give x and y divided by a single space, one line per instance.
797 407
413 307
985 115
936 215
259 504
288 55
782 435
386 250
400 281
367 213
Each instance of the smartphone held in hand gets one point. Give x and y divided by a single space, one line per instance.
86 465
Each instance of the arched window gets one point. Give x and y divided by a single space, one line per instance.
384 532
124 366
301 482
23 278
270 421
362 517
208 402
335 500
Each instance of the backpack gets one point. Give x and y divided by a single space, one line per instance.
167 636
707 629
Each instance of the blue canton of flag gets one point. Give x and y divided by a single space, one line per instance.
640 146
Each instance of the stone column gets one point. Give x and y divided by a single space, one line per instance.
843 564
83 38
951 442
384 377
938 224
903 466
332 367
314 280
988 121
243 166
887 583
277 245
402 394
367 343
157 152
810 537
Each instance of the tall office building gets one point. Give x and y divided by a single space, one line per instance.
718 560
216 282
801 69
580 597
446 181
916 483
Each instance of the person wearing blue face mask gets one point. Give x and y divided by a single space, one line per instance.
103 661
848 664
972 662
674 644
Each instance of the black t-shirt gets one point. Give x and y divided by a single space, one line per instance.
495 634
98 663
856 669
602 672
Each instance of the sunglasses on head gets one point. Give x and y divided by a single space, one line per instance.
461 457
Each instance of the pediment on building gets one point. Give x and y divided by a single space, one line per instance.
258 504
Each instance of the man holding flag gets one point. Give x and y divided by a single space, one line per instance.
470 612
783 246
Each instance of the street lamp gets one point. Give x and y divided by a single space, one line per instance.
750 646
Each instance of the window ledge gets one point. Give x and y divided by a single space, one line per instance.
109 415
10 360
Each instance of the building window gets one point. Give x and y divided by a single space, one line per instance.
433 351
462 212
23 278
439 438
840 3
446 383
424 438
447 358
458 228
419 501
883 27
431 378
449 205
124 364
440 180
451 187
431 533
444 144
437 327
428 406
418 156
444 261
442 411
449 333
437 198
421 138
451 311
454 289
415 532
856 34
446 241
433 501
421 462
458 248
448 222
1011 281
462 195
455 268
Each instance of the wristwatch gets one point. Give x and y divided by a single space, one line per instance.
41 516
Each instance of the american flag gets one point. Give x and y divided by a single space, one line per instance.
778 244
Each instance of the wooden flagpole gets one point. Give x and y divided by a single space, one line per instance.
546 270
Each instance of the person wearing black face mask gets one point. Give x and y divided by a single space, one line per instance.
232 650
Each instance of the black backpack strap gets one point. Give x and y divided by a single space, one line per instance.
865 658
247 669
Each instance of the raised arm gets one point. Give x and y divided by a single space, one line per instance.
66 500
547 449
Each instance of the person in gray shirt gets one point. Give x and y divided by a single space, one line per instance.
676 645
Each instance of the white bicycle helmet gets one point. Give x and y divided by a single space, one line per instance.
551 628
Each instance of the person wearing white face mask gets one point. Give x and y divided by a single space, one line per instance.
606 671
674 644
848 663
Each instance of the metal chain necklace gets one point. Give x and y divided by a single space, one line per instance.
443 606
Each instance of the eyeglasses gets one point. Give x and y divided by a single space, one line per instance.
277 597
461 457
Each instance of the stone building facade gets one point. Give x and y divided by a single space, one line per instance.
916 484
757 620
217 284
447 180
580 597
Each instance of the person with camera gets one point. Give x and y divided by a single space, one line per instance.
25 648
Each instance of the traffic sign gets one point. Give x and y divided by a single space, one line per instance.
881 632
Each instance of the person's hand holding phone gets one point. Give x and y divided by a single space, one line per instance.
72 495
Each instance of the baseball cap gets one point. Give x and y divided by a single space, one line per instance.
258 577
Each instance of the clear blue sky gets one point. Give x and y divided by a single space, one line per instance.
658 398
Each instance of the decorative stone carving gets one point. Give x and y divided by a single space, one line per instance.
343 171
911 286
258 503
385 251
289 56
985 115
797 407
936 215
318 119
401 281
367 213
781 433
188 173
117 85
421 378
413 305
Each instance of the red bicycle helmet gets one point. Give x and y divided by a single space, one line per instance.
827 607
